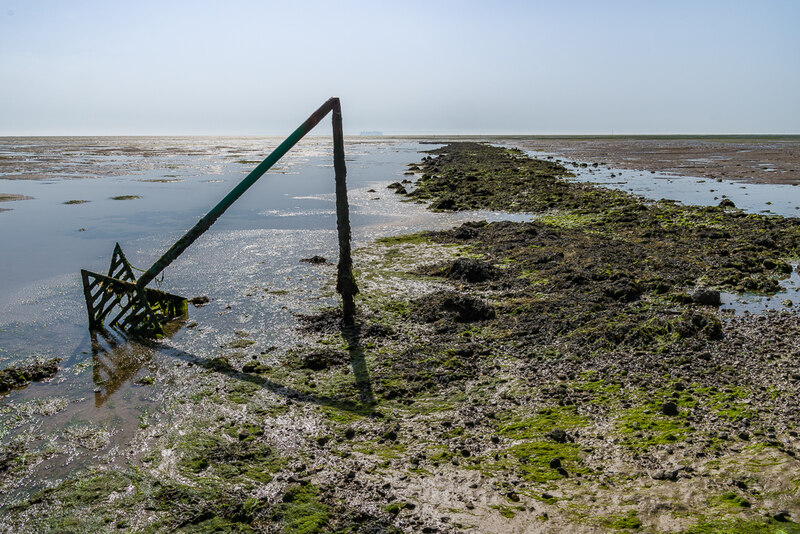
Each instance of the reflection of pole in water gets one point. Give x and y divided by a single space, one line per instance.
115 361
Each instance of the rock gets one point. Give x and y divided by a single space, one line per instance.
199 302
665 474
557 435
400 191
323 359
444 203
623 290
706 297
22 375
555 463
470 270
783 516
220 363
316 260
394 185
726 203
669 408
254 367
462 308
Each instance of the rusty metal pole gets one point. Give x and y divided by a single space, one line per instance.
345 283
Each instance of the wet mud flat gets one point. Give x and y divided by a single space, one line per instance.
568 374
760 159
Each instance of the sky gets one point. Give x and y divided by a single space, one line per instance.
435 67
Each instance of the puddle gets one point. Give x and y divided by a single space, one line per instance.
743 303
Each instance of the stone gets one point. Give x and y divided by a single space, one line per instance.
315 260
669 408
783 516
665 474
706 297
557 435
199 302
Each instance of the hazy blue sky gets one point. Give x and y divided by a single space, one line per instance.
248 67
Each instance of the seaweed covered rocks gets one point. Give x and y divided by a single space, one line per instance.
668 242
22 375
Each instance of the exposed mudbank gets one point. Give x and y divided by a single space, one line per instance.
569 374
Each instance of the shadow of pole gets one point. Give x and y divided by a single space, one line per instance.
117 360
365 405
352 334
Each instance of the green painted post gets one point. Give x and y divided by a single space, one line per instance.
211 217
345 283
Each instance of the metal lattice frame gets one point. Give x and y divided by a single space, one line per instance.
140 311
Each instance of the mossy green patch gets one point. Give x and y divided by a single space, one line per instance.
407 239
645 426
301 511
743 526
545 420
228 457
627 521
731 500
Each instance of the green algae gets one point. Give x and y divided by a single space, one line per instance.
645 426
407 239
730 499
627 521
742 526
220 456
301 511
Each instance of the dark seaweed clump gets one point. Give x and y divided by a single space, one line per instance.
22 375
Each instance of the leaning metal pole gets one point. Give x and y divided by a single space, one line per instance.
109 291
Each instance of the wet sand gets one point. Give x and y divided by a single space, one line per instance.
762 159
442 413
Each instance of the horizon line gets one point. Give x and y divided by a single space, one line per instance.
422 135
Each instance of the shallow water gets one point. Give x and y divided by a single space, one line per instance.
774 199
248 264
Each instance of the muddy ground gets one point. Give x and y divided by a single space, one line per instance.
569 374
764 159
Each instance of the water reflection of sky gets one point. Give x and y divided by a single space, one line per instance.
248 262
